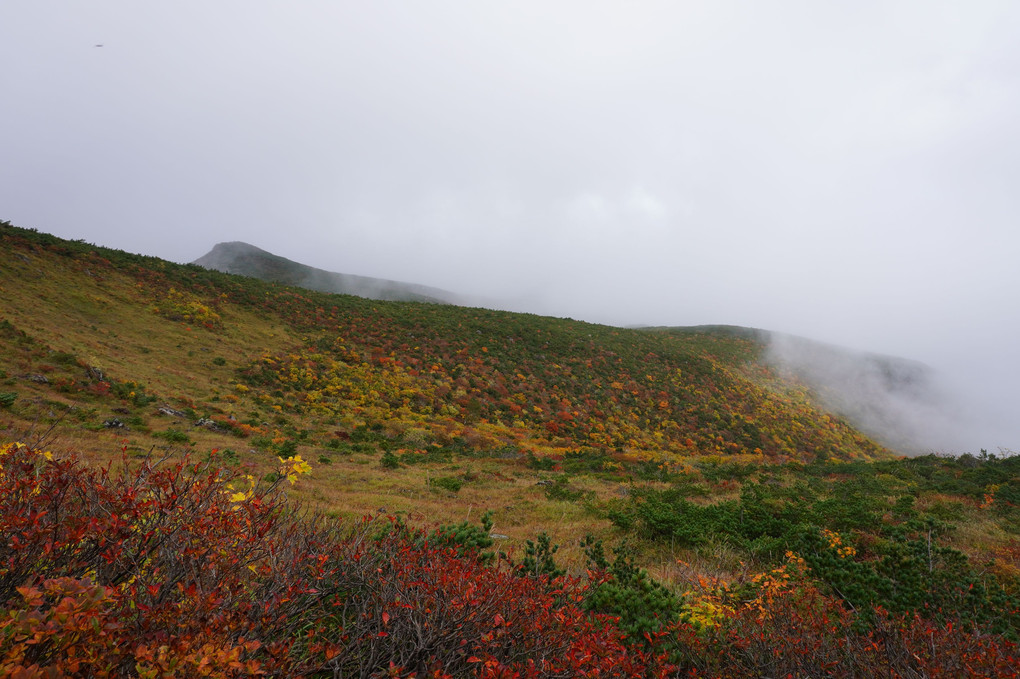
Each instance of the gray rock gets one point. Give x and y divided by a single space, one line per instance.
167 410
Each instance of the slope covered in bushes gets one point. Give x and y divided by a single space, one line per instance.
185 569
491 378
747 531
189 570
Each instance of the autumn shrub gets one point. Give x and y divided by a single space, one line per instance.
132 392
904 565
178 305
425 455
231 425
781 623
163 556
187 569
778 624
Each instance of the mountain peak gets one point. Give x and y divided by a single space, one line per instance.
245 259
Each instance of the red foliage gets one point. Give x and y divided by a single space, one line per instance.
163 571
101 388
795 630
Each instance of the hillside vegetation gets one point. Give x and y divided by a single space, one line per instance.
497 448
545 385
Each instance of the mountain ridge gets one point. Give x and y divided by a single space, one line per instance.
238 257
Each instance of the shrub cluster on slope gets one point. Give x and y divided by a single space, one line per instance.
191 570
186 569
860 531
493 378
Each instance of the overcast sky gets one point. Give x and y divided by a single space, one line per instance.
849 172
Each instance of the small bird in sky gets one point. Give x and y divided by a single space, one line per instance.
99 45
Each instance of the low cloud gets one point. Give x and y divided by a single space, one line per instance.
902 404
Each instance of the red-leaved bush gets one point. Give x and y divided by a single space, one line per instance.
790 628
182 569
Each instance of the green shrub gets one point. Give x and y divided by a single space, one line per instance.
467 537
173 436
132 392
586 461
287 449
538 558
7 399
450 483
63 358
560 490
228 457
540 463
642 605
339 446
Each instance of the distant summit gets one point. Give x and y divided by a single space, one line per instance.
248 260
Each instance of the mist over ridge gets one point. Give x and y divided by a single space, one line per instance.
247 260
899 402
632 163
904 404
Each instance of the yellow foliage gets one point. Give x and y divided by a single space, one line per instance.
294 466
177 306
836 543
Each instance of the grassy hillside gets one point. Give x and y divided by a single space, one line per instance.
546 385
746 505
96 338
